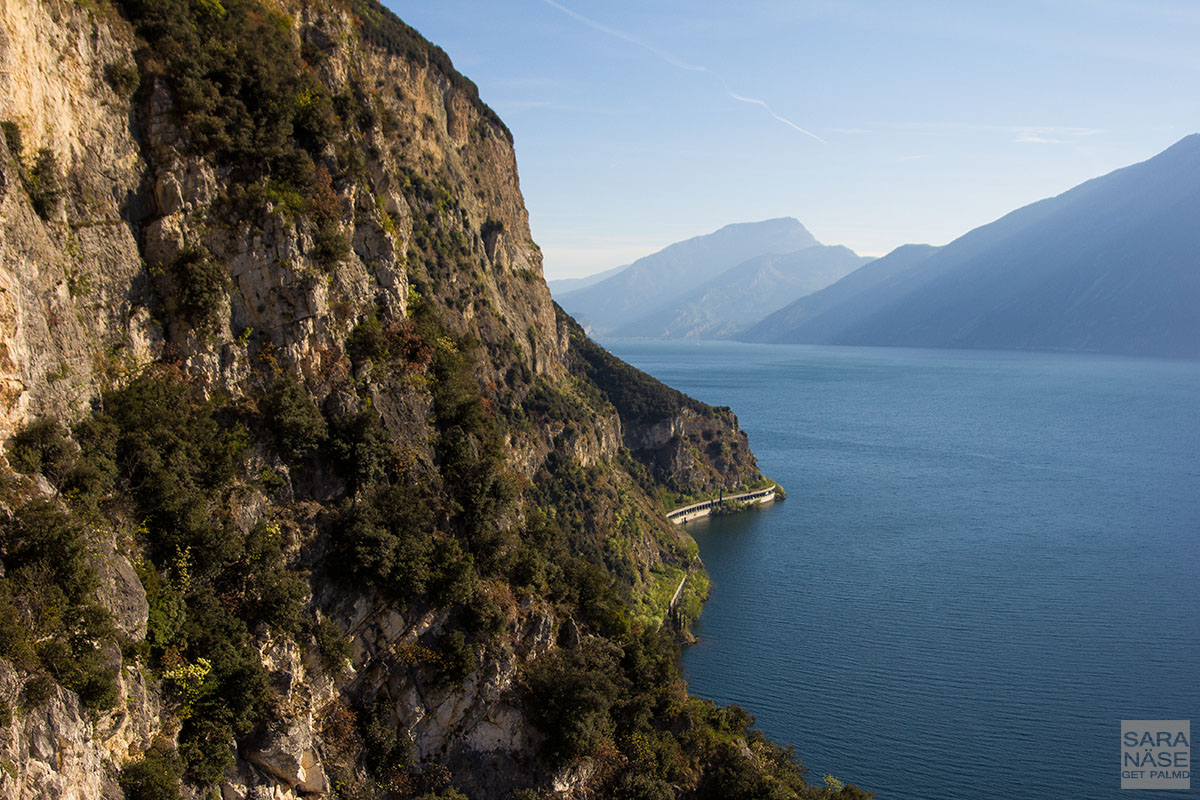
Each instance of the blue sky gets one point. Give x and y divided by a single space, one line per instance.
873 122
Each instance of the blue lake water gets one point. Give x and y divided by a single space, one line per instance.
986 561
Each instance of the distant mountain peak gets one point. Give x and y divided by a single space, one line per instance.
773 222
676 270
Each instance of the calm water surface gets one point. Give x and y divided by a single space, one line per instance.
985 562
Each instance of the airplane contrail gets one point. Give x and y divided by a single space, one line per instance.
771 111
625 37
675 62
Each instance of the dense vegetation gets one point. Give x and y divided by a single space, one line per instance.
390 479
161 452
242 92
157 451
636 395
248 101
50 624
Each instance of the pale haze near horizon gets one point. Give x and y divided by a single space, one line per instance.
873 123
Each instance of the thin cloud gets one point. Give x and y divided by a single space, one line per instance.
625 37
771 111
1053 135
679 64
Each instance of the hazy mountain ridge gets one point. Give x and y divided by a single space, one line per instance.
738 297
1110 266
676 270
825 310
561 286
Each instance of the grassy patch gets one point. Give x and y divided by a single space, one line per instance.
653 604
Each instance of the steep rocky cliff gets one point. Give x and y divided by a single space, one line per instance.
311 490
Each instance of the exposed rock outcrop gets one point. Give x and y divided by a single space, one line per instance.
124 243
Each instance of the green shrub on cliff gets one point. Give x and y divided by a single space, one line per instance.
49 617
154 776
12 137
199 283
470 441
386 541
570 696
295 420
43 446
123 77
207 581
44 182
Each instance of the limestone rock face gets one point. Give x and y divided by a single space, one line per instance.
653 436
290 756
90 294
66 315
77 289
687 446
122 592
49 752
